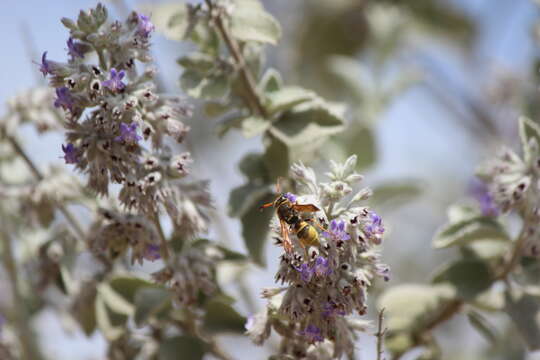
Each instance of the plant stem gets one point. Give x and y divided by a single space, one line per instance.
38 175
380 335
253 101
518 249
29 349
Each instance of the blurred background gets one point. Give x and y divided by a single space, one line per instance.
434 86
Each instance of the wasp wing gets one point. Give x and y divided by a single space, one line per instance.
305 208
287 244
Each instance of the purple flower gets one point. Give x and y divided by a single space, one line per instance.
74 49
480 192
312 334
152 252
128 133
44 66
322 266
337 231
145 26
291 197
332 309
375 227
306 272
70 154
63 98
115 82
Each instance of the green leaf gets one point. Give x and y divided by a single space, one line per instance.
470 277
245 198
170 19
84 310
128 286
318 111
250 22
229 122
195 84
214 109
114 300
151 301
110 324
303 136
395 192
185 347
222 317
531 269
286 98
458 213
252 166
488 249
228 255
253 126
482 325
529 132
270 81
409 306
255 227
439 17
524 310
490 300
198 62
469 230
277 157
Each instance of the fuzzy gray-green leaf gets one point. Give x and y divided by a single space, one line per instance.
409 305
184 347
470 277
222 317
150 301
250 22
242 199
287 97
482 325
524 310
127 286
468 230
394 193
255 227
271 81
253 126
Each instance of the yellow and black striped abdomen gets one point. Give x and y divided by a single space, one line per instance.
306 233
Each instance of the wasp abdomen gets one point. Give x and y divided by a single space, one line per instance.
306 233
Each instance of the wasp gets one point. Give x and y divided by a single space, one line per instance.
288 212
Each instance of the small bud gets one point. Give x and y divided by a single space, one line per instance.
68 23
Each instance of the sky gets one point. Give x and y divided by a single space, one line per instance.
412 125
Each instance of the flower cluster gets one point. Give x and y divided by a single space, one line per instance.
326 282
33 106
189 274
112 105
111 109
122 231
513 182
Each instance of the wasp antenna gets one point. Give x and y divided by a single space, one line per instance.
262 207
